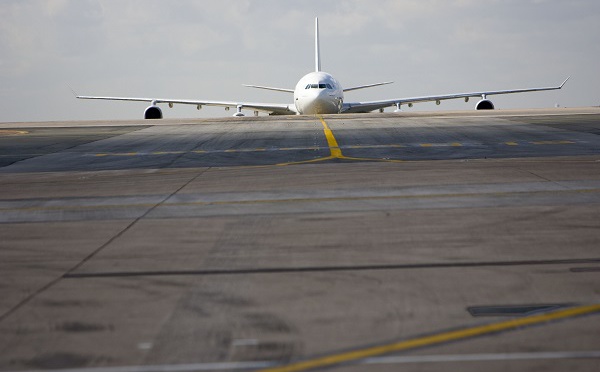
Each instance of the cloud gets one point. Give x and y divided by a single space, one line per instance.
201 49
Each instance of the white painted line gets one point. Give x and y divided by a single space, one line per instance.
245 342
170 367
145 345
499 115
376 360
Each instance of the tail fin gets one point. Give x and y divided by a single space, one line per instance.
317 49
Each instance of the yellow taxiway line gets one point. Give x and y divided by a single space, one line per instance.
334 148
10 132
436 339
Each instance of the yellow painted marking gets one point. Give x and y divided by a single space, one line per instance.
118 154
376 146
440 338
333 146
336 152
11 132
260 149
296 148
446 144
304 161
167 152
552 142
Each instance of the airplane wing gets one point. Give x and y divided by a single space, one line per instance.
357 107
273 108
367 86
269 88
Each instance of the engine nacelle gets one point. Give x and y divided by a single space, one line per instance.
484 104
153 112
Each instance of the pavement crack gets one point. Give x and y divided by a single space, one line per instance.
134 222
86 259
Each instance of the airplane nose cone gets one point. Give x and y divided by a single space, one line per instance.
319 102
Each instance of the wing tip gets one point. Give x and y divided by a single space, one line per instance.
564 82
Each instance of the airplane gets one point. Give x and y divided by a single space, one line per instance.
320 93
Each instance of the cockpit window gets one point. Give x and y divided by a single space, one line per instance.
318 86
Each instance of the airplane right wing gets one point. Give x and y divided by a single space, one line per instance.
155 113
359 107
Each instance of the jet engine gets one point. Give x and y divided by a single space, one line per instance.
484 104
153 112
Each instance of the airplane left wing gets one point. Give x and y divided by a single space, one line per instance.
272 108
358 107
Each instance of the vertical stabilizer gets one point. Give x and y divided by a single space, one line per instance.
317 49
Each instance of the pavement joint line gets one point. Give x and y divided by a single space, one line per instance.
435 339
321 269
300 199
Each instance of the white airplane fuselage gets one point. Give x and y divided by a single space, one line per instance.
318 93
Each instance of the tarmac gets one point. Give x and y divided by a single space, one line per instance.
375 242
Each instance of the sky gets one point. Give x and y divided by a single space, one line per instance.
191 49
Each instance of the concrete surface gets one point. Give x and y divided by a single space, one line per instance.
236 244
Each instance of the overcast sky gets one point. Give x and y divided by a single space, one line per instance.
206 49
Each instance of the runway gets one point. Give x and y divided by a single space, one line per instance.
429 241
